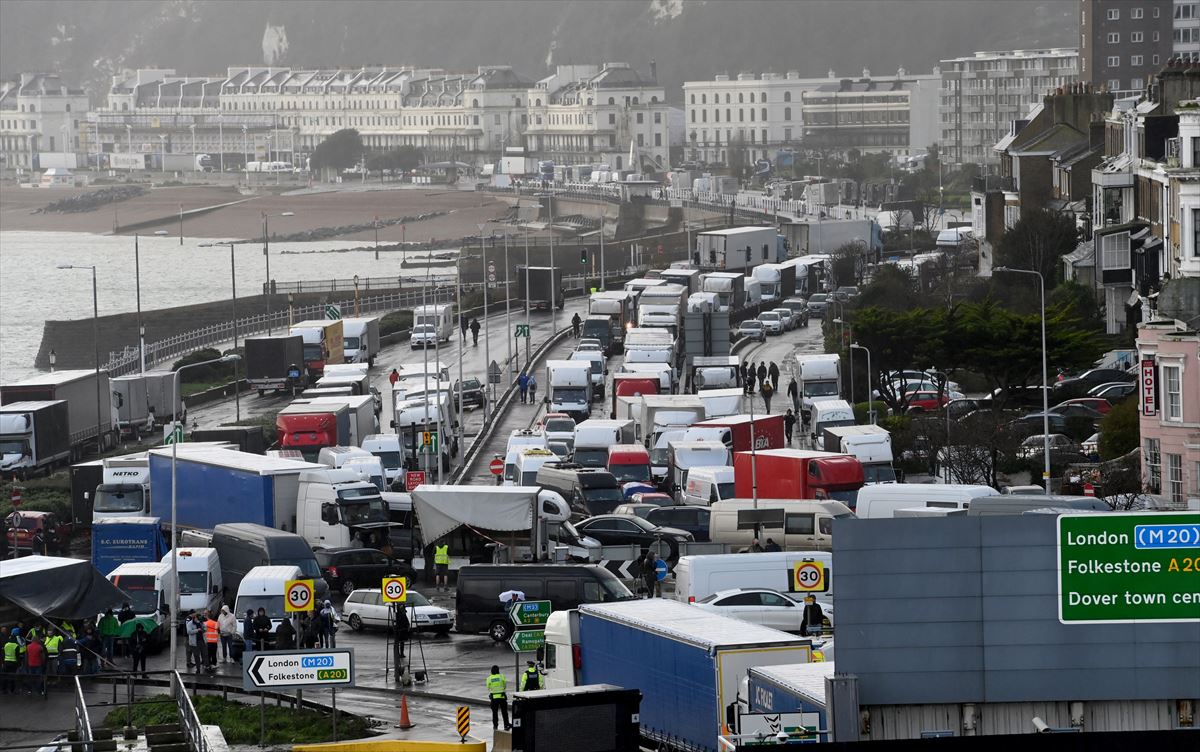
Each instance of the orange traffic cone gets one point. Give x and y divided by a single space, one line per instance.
404 723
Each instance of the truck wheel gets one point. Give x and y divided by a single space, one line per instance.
500 631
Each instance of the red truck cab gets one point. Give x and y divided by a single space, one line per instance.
629 463
307 432
631 385
799 474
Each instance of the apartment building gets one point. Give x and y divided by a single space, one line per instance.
1123 42
39 113
1185 28
1169 401
982 94
895 114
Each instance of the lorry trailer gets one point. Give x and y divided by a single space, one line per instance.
269 360
35 437
88 398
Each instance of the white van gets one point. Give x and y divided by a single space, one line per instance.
369 469
199 579
262 587
431 324
520 439
808 524
336 456
697 577
827 414
599 366
386 446
881 500
682 456
706 485
528 461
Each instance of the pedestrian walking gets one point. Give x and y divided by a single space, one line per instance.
109 627
330 619
761 373
393 377
576 322
139 642
532 389
789 425
262 628
212 639
195 642
497 689
463 324
793 393
751 375
773 372
400 633
311 632
650 575
228 626
38 543
768 391
441 563
532 678
745 378
285 635
523 386
475 331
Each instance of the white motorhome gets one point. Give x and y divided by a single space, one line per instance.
569 388
200 582
807 524
432 324
882 500
820 379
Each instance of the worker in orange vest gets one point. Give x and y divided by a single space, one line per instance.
212 638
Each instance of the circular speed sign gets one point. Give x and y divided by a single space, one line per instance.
395 590
809 576
298 595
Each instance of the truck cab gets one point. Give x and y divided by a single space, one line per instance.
200 582
569 387
124 490
323 344
149 589
820 379
335 507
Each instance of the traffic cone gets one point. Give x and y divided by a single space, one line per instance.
404 723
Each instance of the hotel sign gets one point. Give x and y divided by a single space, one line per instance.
1148 383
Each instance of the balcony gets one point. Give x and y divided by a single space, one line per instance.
987 183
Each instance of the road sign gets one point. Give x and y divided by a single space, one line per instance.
527 640
172 436
395 590
333 311
496 466
17 519
1128 567
17 500
462 721
413 478
298 595
521 330
494 373
529 613
808 577
296 669
429 442
660 570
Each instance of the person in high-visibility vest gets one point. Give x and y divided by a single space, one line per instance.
53 645
532 678
441 561
12 663
497 687
212 638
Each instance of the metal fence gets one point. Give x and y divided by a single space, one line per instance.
189 720
83 723
128 361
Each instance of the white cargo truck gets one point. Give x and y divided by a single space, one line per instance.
360 340
737 248
872 445
820 379
569 388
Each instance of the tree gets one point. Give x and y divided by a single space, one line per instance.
891 287
736 158
845 264
1038 241
339 151
898 340
1120 431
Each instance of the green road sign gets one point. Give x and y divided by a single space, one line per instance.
1128 567
333 311
429 442
173 436
522 330
527 640
529 613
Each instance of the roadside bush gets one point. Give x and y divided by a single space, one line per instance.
862 411
395 322
211 374
1120 432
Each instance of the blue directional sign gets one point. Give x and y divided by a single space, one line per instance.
660 570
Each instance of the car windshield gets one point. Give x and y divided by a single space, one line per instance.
415 599
613 495
350 343
820 389
365 510
659 456
192 583
725 490
627 473
118 498
14 446
570 394
768 316
878 474
422 329
751 324
818 298
272 604
308 568
389 460
591 457
560 425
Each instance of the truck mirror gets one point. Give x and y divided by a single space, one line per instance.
214 590
393 424
541 653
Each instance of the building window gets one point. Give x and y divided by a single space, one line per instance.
1114 62
787 113
787 135
1175 478
787 96
726 97
764 135
641 140
1184 10
693 98
1154 58
764 114
1153 466
612 118
741 98
658 118
1136 61
1154 38
1135 13
1114 84
751 97
693 116
1195 212
1114 251
1114 37
1172 377
1135 37
704 116
658 139
1135 83
1114 14
639 118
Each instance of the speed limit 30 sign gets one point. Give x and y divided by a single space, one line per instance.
395 590
298 596
808 577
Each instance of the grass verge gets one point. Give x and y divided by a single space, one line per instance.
239 722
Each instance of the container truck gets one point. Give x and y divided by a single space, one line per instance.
244 438
124 488
872 445
662 307
714 372
128 540
542 718
734 431
220 485
630 384
541 286
323 344
89 404
363 421
308 427
132 405
619 307
778 281
790 697
337 509
594 436
736 249
820 379
163 402
688 663
798 474
721 402
271 362
688 278
569 388
360 340
34 437
729 287
661 412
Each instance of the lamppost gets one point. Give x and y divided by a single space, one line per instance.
267 259
508 305
1045 381
128 139
192 128
137 276
946 409
528 328
53 360
176 437
95 349
162 151
237 386
870 398
221 139
245 155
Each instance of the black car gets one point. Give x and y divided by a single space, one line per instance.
348 568
1079 385
623 529
472 393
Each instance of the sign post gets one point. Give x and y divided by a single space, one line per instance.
413 478
529 617
1128 567
521 330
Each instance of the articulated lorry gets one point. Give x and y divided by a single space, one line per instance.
729 287
124 489
541 286
738 248
310 427
131 401
129 540
35 437
90 409
872 445
689 663
323 344
269 362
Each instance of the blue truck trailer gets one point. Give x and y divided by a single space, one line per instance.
222 485
688 663
788 698
126 540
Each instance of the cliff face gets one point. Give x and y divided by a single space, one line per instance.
90 40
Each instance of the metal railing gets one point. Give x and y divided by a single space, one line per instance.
363 284
83 723
189 720
128 361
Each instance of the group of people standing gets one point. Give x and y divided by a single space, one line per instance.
32 655
527 385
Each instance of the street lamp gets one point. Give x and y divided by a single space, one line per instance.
128 139
221 138
137 276
267 259
1045 382
237 386
176 437
192 128
53 360
95 349
870 398
946 408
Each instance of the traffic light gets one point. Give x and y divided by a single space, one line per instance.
583 256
